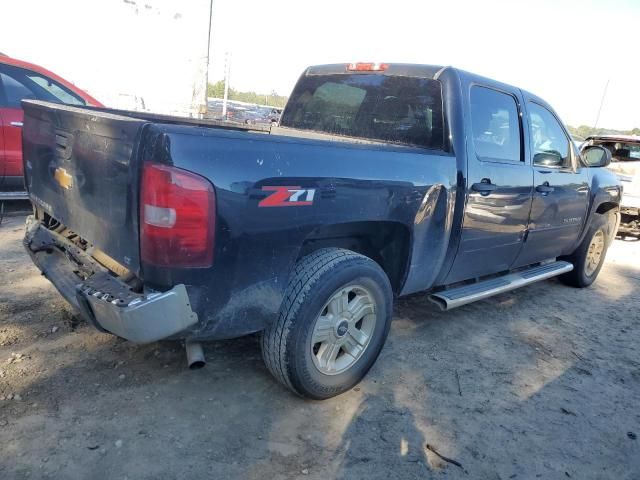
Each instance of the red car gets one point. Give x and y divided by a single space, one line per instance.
21 80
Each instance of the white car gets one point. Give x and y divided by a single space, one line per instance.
625 163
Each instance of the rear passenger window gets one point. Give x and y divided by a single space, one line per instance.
495 125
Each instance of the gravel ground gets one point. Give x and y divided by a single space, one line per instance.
542 382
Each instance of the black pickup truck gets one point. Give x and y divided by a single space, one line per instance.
380 181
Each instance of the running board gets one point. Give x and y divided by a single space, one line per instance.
14 196
456 297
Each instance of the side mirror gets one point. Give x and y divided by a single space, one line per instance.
595 156
550 158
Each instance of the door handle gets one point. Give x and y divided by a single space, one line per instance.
16 124
544 188
485 187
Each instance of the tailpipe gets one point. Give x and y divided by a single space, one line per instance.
195 355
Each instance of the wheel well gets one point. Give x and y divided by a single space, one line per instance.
387 243
605 207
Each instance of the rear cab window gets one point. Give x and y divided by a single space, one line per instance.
495 124
372 106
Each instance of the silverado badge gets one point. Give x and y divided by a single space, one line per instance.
63 178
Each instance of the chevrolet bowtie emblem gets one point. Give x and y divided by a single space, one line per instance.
63 178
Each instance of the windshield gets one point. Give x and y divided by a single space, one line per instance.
394 109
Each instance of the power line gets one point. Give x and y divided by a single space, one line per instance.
604 92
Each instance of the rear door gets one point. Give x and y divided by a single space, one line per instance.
561 188
499 183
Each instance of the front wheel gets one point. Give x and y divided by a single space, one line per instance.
589 256
332 325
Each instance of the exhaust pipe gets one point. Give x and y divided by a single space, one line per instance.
195 355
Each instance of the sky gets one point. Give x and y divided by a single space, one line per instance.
564 51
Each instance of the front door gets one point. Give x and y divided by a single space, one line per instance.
561 189
499 185
2 156
11 116
17 84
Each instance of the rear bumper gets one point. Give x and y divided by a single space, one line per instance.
105 301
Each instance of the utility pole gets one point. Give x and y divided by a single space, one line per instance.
227 74
604 92
206 74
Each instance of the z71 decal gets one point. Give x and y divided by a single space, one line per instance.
288 197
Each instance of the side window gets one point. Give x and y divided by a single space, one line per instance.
549 143
14 91
496 125
53 88
20 84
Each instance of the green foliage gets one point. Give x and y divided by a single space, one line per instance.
272 99
583 131
216 89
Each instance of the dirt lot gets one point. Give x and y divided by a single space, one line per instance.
538 383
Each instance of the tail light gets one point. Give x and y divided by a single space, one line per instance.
367 67
177 217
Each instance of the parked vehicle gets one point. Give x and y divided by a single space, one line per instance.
18 81
382 180
625 150
241 112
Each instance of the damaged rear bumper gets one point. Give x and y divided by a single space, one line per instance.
104 300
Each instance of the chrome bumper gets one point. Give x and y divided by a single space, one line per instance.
102 299
152 317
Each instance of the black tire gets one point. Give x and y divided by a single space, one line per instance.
579 277
286 343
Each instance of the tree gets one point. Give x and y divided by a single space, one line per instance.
216 90
584 131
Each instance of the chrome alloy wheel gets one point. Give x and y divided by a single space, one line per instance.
594 253
343 329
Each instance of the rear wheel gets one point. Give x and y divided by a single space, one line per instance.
589 256
333 322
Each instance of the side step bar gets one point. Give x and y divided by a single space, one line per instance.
14 196
456 297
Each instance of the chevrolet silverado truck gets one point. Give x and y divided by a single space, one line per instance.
381 180
625 163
